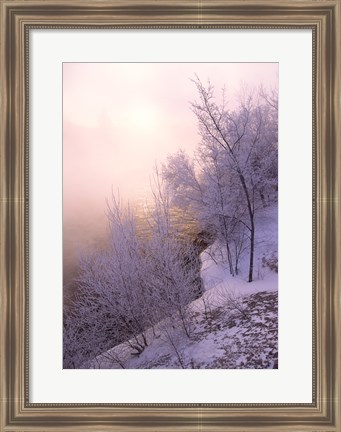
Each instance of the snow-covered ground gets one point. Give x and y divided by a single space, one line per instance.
233 325
214 269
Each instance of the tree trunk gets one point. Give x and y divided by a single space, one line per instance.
252 247
252 222
263 199
228 252
229 257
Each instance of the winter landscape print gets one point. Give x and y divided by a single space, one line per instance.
170 202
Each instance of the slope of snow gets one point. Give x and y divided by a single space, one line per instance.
214 270
221 337
233 325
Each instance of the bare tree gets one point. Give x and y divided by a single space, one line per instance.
234 172
124 290
240 138
173 262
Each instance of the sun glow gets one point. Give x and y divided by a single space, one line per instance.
142 117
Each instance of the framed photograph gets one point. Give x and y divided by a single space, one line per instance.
169 264
170 215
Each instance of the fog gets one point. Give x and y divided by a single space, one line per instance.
118 121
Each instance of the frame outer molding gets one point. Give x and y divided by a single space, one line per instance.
16 414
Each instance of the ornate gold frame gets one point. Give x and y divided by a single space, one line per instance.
17 17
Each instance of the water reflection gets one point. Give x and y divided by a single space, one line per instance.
89 232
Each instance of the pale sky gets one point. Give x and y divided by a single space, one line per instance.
121 118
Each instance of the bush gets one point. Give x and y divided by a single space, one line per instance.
271 262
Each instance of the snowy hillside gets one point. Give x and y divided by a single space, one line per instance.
234 324
214 270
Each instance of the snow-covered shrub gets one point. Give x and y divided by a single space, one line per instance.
271 262
127 288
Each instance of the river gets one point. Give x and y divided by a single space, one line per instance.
89 232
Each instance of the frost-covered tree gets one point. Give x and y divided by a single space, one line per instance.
139 280
234 172
248 147
173 263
